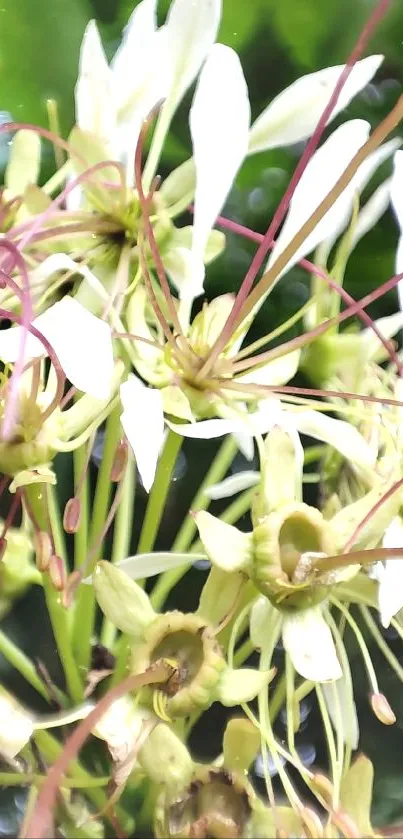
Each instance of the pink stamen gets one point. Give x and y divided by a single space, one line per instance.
391 491
144 205
310 148
295 343
241 230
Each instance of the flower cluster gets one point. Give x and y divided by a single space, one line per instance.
116 355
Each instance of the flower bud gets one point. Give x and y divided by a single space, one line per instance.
57 572
216 803
43 549
119 462
382 709
72 514
165 759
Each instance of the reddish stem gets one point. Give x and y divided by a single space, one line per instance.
310 148
41 817
313 269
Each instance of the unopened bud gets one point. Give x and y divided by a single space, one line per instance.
57 572
3 546
72 513
120 462
311 822
73 581
323 786
43 549
382 709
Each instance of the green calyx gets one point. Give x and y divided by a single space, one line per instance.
286 543
33 442
188 642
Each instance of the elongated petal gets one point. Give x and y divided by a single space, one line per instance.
24 163
143 423
390 575
258 422
322 173
388 326
342 710
81 341
236 686
396 189
122 600
219 125
148 565
226 546
294 113
277 372
309 643
192 30
265 622
337 433
95 108
128 60
372 211
16 725
232 485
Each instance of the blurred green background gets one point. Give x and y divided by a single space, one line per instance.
278 41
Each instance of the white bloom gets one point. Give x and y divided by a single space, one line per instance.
294 114
143 423
306 637
81 341
390 575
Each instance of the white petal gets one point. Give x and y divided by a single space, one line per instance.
230 486
143 423
128 60
390 575
192 27
264 620
226 546
204 430
276 372
309 643
219 125
371 212
387 326
396 189
337 433
337 695
148 565
294 114
360 180
258 422
321 174
81 341
186 274
95 108
246 444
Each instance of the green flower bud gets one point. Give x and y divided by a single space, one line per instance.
165 759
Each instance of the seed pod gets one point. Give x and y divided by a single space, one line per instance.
119 462
43 549
382 709
72 514
57 572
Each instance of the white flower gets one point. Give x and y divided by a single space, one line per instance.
81 341
390 575
294 114
143 423
306 637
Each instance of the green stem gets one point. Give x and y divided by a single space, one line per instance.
21 662
121 537
56 523
51 749
123 648
85 606
14 779
81 536
218 469
43 506
159 492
